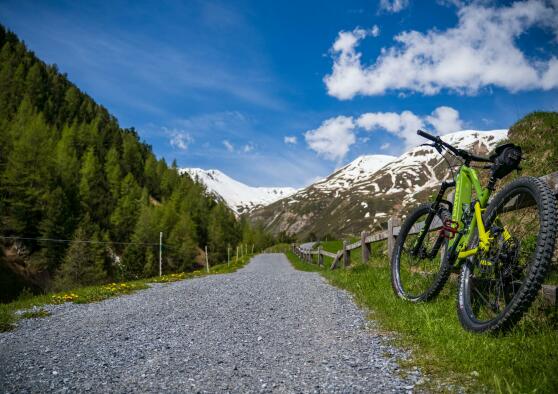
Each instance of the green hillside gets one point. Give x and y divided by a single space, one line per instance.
68 171
537 134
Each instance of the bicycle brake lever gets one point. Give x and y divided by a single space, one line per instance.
438 147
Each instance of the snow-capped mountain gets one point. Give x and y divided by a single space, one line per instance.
238 196
356 171
364 193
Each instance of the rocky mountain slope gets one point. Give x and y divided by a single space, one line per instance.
363 194
240 197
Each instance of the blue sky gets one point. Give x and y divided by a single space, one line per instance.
281 93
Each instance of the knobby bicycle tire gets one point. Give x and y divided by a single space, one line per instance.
444 270
538 261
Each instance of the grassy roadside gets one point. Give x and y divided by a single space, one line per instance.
524 360
31 305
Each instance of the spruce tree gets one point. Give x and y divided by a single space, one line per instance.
152 180
92 187
36 86
28 173
220 229
182 252
83 263
124 216
57 223
67 162
146 231
113 172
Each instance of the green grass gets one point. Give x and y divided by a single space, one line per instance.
330 246
35 313
84 295
524 360
301 265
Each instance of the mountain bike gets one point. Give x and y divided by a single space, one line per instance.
502 246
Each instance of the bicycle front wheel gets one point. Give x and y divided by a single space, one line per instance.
497 287
419 271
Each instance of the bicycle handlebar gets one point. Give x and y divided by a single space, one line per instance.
458 152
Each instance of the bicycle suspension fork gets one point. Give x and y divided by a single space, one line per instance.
428 222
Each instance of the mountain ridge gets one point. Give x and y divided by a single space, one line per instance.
366 200
238 196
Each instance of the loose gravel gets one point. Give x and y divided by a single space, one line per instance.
264 328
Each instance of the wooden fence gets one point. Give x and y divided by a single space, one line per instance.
343 257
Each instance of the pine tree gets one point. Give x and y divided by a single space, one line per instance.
152 180
221 226
72 101
28 173
92 187
182 252
146 231
83 263
36 87
67 163
124 216
56 224
131 155
113 172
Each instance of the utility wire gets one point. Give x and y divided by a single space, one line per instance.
83 241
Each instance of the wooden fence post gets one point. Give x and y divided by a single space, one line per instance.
392 223
365 247
346 255
320 257
335 261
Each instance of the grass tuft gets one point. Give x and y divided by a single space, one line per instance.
35 313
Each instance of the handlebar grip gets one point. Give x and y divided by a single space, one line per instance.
426 135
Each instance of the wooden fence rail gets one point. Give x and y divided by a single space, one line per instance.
343 256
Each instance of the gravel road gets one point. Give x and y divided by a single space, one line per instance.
265 328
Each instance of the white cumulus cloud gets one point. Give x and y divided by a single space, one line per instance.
481 50
404 125
393 5
445 120
333 138
290 139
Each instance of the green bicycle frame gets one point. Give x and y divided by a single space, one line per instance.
466 181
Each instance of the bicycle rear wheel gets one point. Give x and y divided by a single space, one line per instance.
419 272
497 287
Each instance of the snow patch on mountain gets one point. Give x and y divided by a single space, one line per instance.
354 172
238 196
416 169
